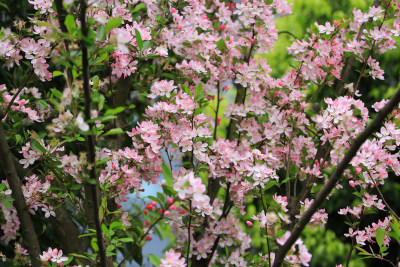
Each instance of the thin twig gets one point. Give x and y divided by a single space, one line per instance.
266 228
358 142
190 225
3 115
216 114
382 197
288 32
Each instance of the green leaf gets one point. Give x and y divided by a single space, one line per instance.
55 188
113 23
396 229
4 6
147 44
138 256
115 131
104 118
57 73
221 44
104 228
89 234
125 239
186 89
7 204
42 103
199 92
268 2
102 100
56 93
380 236
139 7
154 199
37 146
167 174
76 187
169 190
269 185
139 39
94 245
95 81
114 111
3 187
115 224
100 32
155 260
70 23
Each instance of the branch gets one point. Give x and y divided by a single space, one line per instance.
27 227
92 207
288 32
67 231
141 238
350 61
373 127
4 114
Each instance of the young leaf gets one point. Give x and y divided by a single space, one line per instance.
70 23
113 23
167 174
114 111
155 260
115 131
380 235
139 7
139 39
57 73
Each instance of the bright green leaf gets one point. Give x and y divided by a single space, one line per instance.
113 23
114 111
139 39
57 73
167 174
139 7
380 236
115 131
155 260
70 23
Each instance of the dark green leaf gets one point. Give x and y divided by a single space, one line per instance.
37 146
76 187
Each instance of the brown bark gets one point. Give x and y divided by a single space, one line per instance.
66 229
30 240
91 190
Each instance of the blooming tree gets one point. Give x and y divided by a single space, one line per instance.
220 129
